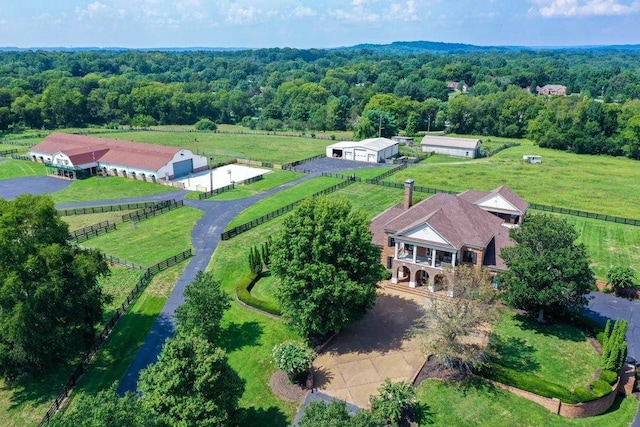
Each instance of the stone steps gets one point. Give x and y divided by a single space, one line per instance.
420 291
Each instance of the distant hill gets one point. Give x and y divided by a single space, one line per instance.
412 47
427 46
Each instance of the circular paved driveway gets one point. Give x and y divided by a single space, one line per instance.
12 188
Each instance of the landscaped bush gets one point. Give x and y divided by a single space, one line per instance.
295 359
528 382
243 292
609 377
614 345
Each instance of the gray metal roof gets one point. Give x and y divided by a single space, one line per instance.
445 141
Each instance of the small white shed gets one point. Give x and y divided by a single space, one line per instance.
532 158
372 150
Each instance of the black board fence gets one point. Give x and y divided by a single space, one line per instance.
108 328
229 234
291 165
4 153
92 232
105 208
151 211
19 157
574 212
208 194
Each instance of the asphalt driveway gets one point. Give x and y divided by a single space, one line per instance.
12 188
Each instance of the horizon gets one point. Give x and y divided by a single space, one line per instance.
311 24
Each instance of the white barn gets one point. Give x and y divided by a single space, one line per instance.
78 156
458 147
372 150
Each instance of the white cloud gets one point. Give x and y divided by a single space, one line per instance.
303 11
571 8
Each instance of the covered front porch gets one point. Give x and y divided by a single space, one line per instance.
424 255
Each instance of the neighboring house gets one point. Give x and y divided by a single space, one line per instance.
419 242
79 156
458 147
551 90
458 86
372 150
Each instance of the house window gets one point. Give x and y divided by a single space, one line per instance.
469 257
389 262
391 242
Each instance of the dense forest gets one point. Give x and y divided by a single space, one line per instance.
363 90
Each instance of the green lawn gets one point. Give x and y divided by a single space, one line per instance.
118 285
224 146
283 198
250 336
265 287
270 180
601 184
152 240
20 168
556 352
608 244
77 222
113 360
113 187
478 403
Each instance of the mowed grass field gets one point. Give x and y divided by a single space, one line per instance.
109 188
225 146
601 184
150 241
10 168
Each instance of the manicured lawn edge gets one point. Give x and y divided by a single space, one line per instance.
243 293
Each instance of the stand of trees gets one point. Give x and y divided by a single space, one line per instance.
335 90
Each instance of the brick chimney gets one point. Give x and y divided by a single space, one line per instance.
408 193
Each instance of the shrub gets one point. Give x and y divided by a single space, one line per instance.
294 358
243 292
609 377
393 401
600 388
622 279
614 346
205 124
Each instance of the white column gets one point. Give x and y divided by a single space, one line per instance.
396 250
415 253
453 258
433 258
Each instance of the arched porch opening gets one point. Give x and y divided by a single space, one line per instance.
422 278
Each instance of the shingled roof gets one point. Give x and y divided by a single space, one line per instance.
477 197
115 151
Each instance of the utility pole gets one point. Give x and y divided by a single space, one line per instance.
380 127
211 174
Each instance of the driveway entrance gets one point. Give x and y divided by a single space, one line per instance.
357 361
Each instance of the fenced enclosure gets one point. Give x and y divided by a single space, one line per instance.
108 328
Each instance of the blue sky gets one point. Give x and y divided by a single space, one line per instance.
309 23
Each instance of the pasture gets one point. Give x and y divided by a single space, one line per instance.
601 184
226 146
141 242
10 168
108 188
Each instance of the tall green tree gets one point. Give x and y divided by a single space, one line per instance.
106 408
50 299
191 384
548 271
204 306
327 265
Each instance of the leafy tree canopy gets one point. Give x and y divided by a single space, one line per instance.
327 265
50 299
548 270
204 306
191 384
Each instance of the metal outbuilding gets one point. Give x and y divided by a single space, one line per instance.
372 150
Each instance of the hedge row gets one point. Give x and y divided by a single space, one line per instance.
542 387
243 292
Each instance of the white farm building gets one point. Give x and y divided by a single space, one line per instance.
458 147
372 150
79 156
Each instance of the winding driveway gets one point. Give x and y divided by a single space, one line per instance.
205 237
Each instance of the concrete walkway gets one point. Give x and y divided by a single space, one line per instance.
357 361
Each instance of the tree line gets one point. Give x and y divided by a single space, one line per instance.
359 90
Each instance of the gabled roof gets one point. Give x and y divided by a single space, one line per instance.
445 141
456 220
478 197
80 156
124 153
376 144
